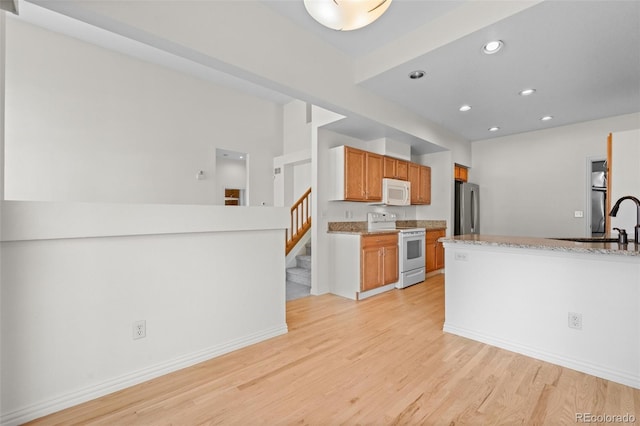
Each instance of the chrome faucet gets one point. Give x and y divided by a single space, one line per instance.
614 212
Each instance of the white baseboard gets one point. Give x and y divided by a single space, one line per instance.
89 393
602 371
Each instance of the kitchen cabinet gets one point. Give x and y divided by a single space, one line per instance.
378 261
434 250
356 174
395 168
460 173
363 265
420 178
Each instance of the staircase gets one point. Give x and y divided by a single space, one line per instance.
299 277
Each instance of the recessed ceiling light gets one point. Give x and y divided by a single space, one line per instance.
547 118
492 47
416 74
465 108
494 129
527 92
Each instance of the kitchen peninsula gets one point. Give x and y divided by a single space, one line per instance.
570 303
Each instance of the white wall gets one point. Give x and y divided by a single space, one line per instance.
441 207
75 276
295 165
67 322
273 52
87 124
297 128
625 178
531 183
301 179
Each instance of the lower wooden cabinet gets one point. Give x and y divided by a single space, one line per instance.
378 261
434 250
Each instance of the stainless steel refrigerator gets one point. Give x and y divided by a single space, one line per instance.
598 203
467 209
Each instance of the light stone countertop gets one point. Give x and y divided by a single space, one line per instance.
614 248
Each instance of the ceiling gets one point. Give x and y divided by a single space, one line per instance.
582 57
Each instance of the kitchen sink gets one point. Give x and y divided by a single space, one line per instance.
589 240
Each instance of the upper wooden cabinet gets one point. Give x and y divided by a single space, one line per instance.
420 178
356 175
396 169
460 173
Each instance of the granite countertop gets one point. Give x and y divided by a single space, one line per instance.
630 249
360 227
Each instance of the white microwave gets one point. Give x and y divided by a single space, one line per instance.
396 192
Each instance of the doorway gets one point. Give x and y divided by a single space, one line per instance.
234 197
231 177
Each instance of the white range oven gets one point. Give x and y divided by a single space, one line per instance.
412 247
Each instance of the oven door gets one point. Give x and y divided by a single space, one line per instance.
412 250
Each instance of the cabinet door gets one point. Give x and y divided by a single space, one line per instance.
425 185
390 264
434 250
430 256
389 168
440 251
395 169
420 178
414 178
371 268
354 174
460 173
402 170
373 177
439 255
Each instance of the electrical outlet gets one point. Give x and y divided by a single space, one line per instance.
139 329
460 256
575 320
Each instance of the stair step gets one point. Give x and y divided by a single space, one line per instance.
303 261
299 275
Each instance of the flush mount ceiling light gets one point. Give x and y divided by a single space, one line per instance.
492 47
346 15
465 108
494 129
416 74
527 92
547 118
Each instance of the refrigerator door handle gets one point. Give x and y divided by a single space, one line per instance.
473 211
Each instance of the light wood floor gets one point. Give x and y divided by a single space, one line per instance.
382 361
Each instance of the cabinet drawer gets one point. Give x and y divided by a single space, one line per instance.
379 240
